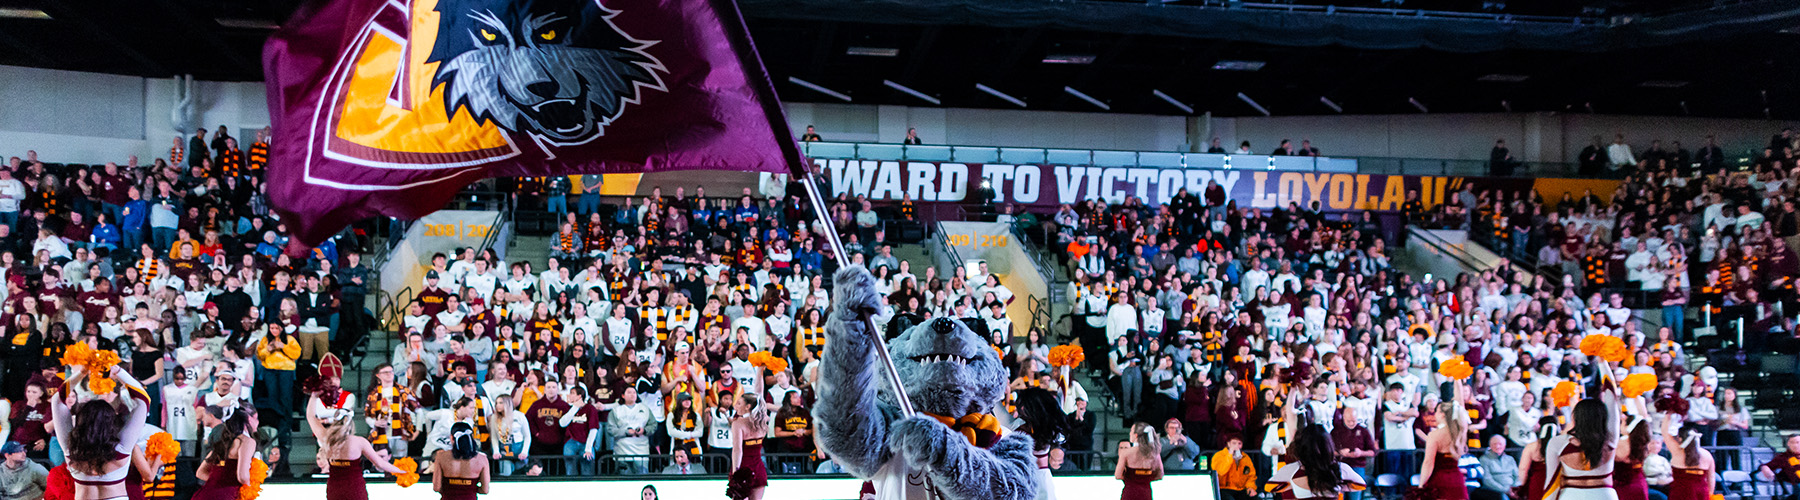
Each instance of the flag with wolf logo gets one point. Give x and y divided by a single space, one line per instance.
391 106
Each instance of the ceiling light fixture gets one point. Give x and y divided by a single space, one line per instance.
1088 98
1069 59
1503 78
999 94
1334 106
872 51
250 24
1253 104
1172 102
23 13
1239 65
909 91
820 89
1417 104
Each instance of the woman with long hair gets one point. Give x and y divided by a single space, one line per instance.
1628 475
1441 479
228 454
1041 416
749 475
1693 466
462 470
1140 462
1579 463
1531 463
343 451
1734 424
99 436
1316 472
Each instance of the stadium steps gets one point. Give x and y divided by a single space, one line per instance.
533 249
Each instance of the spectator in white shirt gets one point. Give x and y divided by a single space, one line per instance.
1618 155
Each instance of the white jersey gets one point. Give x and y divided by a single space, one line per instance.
718 431
183 420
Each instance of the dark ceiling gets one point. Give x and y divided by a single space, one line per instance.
1748 74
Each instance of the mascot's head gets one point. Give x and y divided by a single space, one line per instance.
948 369
555 69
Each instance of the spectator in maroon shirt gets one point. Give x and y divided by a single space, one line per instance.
545 420
1228 413
581 433
29 419
94 303
1355 444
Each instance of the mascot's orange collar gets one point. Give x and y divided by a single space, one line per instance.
981 429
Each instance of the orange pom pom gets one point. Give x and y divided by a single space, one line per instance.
777 365
1637 384
1563 394
410 474
103 361
101 385
77 354
1456 368
1605 347
759 358
258 472
1066 355
162 448
1615 350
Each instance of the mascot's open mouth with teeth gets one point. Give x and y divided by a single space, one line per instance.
942 362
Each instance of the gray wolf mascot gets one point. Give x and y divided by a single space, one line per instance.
952 449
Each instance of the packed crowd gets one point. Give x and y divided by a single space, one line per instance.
1209 320
178 266
624 350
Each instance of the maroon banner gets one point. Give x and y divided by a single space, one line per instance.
1052 185
390 106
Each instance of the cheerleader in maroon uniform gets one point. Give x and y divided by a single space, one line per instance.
462 470
1316 473
749 475
1533 455
229 453
1693 466
1628 474
345 452
1140 463
1442 479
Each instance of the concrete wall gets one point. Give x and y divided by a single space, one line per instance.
74 117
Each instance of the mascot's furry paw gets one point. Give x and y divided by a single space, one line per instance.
856 293
920 441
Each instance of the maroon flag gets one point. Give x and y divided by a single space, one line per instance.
391 106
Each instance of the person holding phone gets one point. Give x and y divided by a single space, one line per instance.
1237 472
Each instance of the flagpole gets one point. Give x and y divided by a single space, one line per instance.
843 259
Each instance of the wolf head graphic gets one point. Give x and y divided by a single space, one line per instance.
558 70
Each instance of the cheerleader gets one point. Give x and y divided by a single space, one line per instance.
1315 472
1533 463
1693 466
101 433
1579 464
749 475
344 451
1142 450
1442 479
1042 418
229 453
462 470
